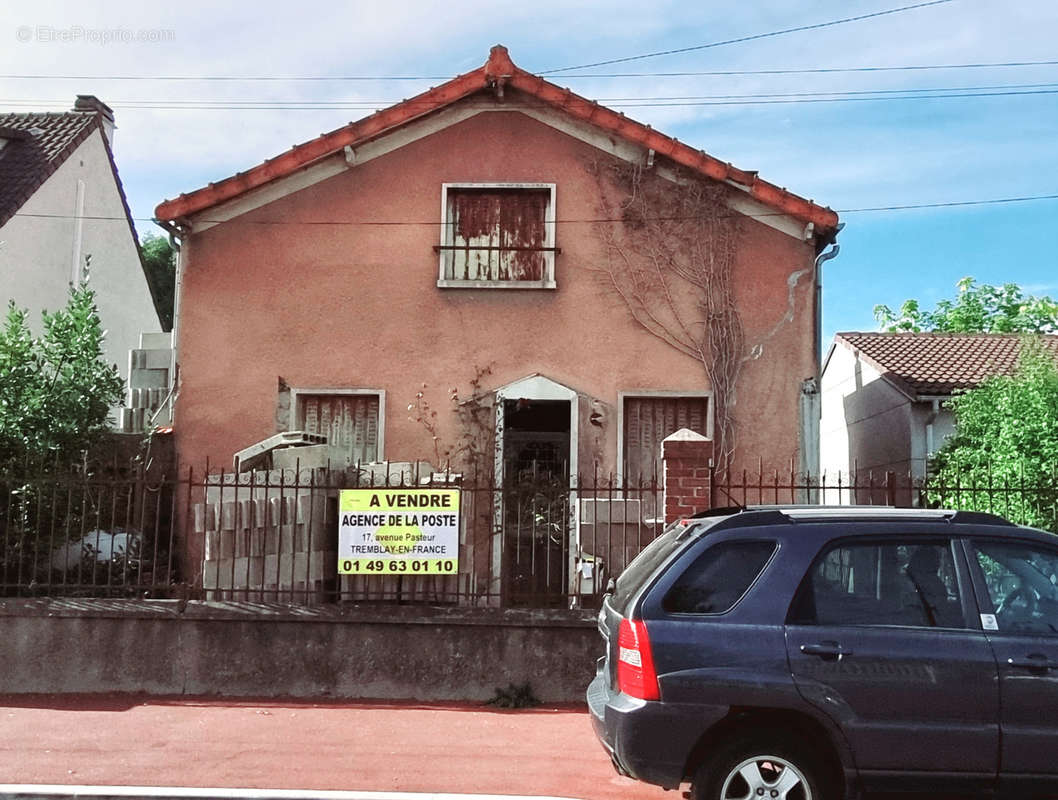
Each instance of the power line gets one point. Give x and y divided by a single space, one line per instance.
794 98
230 103
830 99
838 93
951 204
715 73
812 70
571 221
738 40
246 78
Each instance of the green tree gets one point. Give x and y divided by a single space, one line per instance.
979 307
1004 455
160 260
57 389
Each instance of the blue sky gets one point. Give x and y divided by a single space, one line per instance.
847 154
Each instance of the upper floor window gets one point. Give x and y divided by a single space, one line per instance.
498 235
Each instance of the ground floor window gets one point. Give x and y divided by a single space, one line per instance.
647 420
350 419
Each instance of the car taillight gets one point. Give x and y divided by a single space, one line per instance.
635 663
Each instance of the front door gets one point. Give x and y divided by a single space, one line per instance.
882 639
536 504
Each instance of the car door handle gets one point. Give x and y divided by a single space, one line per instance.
1033 661
828 651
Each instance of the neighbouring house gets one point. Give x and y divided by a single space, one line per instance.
506 275
883 399
61 203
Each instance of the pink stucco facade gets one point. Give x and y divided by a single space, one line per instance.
274 295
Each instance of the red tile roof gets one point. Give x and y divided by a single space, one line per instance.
36 145
498 73
939 364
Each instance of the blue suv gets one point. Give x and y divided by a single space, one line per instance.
815 652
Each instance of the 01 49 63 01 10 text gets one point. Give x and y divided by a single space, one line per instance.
382 566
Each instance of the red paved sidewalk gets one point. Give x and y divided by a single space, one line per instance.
93 740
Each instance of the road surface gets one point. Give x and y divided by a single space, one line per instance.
111 740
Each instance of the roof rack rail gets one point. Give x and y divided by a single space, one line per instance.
816 512
980 518
719 511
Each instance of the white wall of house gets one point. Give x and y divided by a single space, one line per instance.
40 256
943 423
865 423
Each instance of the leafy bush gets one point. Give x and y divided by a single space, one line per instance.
1004 455
56 390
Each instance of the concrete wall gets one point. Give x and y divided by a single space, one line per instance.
355 305
253 650
39 253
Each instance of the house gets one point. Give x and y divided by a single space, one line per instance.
61 203
883 397
479 245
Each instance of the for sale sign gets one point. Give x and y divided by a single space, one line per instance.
398 532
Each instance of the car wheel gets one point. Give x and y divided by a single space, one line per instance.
759 769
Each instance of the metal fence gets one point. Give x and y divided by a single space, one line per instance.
109 535
272 536
1028 500
537 542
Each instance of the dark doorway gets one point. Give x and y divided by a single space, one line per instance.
536 505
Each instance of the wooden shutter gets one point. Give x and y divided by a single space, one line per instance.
486 222
648 420
348 421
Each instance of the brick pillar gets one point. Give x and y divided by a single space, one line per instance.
686 456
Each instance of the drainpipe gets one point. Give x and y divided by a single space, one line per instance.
929 428
77 267
176 233
824 256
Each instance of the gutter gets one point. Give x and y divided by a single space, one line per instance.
174 232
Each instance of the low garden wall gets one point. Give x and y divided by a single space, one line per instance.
173 647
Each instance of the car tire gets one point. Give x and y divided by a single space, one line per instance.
760 768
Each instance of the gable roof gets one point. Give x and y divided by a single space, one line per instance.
940 364
498 73
38 143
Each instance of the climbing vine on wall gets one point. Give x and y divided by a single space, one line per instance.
670 242
473 447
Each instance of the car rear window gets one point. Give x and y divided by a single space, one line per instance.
651 557
718 578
